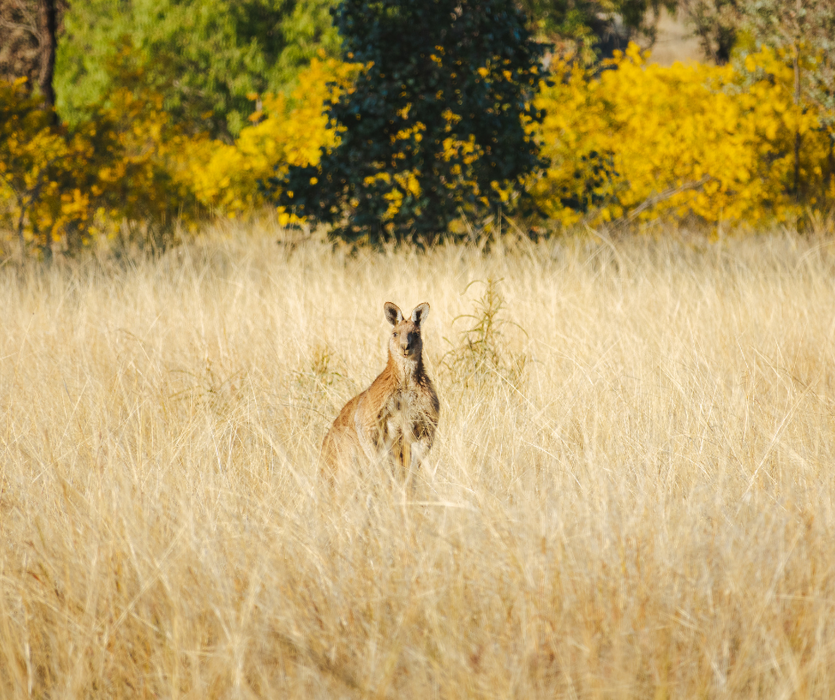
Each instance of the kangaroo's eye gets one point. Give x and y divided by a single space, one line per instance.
395 334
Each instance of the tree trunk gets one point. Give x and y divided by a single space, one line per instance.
20 236
49 34
47 248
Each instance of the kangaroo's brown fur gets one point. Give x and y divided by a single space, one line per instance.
394 419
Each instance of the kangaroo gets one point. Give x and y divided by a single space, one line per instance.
393 420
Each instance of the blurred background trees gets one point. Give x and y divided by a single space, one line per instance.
803 31
145 117
716 23
434 128
594 29
204 56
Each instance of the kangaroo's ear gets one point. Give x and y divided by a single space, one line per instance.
393 313
419 314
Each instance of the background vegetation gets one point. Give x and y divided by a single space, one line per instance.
167 116
204 57
434 128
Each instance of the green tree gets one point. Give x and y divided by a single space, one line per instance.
205 56
716 23
434 127
804 32
595 28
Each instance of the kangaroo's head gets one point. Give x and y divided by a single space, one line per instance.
405 342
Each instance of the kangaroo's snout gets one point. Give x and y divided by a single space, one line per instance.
409 343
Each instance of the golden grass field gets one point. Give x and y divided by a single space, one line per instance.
632 493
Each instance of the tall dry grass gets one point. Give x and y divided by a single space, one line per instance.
631 494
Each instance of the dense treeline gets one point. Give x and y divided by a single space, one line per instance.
166 112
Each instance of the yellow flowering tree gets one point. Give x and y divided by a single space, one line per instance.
143 171
61 186
283 132
32 152
642 141
635 142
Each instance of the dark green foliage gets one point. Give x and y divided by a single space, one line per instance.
205 56
595 172
425 58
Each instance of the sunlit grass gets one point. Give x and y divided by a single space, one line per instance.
631 493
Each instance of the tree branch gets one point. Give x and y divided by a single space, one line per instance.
651 201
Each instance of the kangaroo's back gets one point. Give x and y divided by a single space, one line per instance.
341 443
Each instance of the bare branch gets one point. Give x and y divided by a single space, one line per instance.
650 202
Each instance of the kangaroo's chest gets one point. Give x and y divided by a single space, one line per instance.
401 414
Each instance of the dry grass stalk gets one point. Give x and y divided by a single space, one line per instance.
646 510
